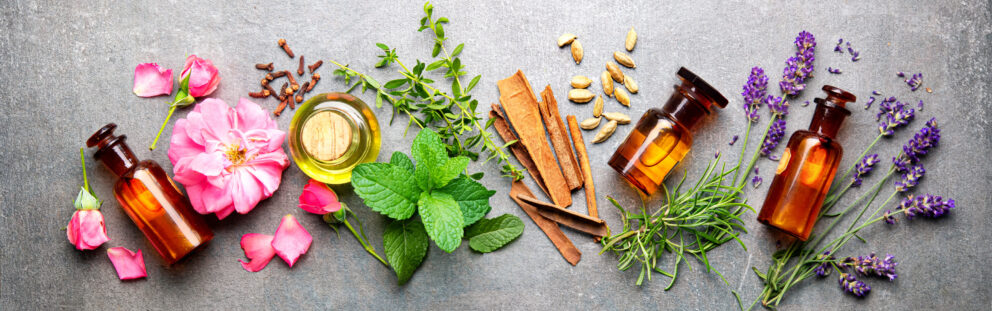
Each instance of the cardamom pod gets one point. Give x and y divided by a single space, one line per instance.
597 109
605 132
580 95
624 59
577 51
615 72
590 123
630 84
566 39
581 82
629 43
617 116
607 83
622 97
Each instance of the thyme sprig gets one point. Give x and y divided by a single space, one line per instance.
452 114
690 223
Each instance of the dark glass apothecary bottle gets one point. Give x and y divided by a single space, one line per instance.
150 198
663 135
807 168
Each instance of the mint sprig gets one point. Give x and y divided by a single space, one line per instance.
437 189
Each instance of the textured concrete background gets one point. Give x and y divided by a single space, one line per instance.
67 70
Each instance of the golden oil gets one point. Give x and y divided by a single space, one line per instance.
330 134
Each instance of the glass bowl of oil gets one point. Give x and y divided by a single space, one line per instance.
330 134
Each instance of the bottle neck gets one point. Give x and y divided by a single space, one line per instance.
685 107
827 118
116 156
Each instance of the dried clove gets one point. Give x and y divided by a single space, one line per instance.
315 66
282 105
292 81
271 91
259 94
300 69
267 67
282 90
299 99
313 81
285 47
279 74
305 87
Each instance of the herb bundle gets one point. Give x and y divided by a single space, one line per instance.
452 113
451 204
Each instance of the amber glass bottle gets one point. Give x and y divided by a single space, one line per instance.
663 136
150 198
807 168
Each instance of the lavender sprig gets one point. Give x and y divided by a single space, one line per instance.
873 266
893 114
930 206
863 168
922 141
824 268
754 93
799 67
775 134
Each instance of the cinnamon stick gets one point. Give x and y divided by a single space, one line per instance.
550 228
583 155
571 219
559 139
522 111
518 150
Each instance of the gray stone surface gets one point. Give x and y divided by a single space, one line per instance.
67 70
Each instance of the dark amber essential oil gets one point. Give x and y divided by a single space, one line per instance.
807 168
151 198
663 136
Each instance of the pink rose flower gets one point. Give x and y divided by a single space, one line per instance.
129 265
317 198
86 229
150 80
229 159
203 77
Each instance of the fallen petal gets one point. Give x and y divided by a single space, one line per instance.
129 265
258 249
291 240
317 198
150 80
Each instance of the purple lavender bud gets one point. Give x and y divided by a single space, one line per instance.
833 70
876 93
871 100
837 48
863 168
756 181
775 135
900 74
800 67
754 93
806 103
856 56
774 157
919 106
910 178
851 285
716 155
893 115
901 163
915 81
888 217
873 266
733 140
778 106
824 268
930 206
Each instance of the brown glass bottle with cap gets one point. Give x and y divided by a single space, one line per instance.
807 168
151 198
663 136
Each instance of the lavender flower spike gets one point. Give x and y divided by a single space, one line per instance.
824 268
778 106
754 93
873 266
910 178
863 168
922 142
800 67
851 285
775 135
893 114
930 206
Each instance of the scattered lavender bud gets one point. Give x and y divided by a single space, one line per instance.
775 134
900 74
756 181
851 285
806 103
774 157
733 140
856 57
919 106
930 206
754 93
863 168
876 93
915 81
799 67
833 70
837 48
871 100
871 265
849 49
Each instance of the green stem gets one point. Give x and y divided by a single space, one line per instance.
171 110
754 158
82 159
740 159
851 168
361 239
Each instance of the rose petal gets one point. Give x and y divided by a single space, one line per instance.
317 198
291 240
129 265
245 192
86 230
258 249
150 80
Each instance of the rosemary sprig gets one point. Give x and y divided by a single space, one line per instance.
452 114
690 223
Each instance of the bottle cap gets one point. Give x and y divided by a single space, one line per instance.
700 86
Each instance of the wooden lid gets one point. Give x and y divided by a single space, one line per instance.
326 135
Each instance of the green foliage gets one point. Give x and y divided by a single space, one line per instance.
488 235
452 114
436 188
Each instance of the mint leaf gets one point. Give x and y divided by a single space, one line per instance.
405 242
428 151
386 188
442 219
488 235
472 198
451 169
401 160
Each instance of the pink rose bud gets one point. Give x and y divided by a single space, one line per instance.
203 77
317 198
86 229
